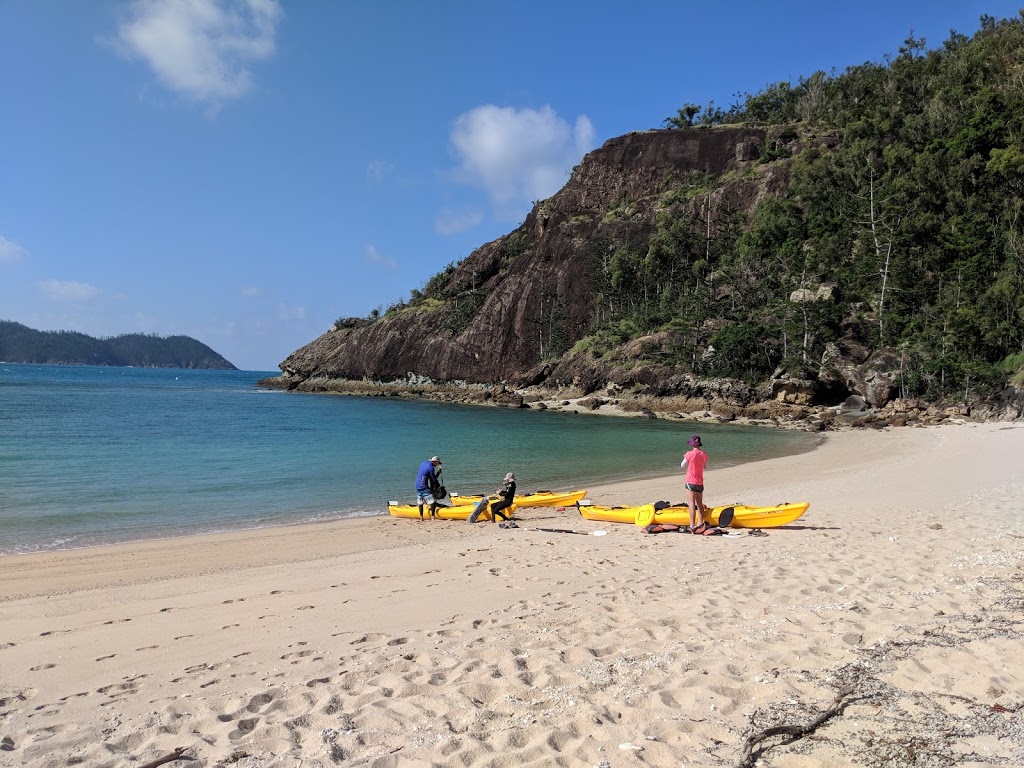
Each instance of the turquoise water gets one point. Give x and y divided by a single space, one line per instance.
94 455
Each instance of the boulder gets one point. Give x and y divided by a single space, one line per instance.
879 377
793 391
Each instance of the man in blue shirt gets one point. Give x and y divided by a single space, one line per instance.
427 479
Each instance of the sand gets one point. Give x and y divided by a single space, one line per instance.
382 642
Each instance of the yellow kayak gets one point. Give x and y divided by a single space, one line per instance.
604 514
538 499
457 512
462 506
744 515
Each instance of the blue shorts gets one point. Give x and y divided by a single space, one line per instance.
424 497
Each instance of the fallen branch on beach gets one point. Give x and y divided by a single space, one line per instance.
177 754
796 731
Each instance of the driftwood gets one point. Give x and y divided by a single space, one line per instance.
790 730
177 754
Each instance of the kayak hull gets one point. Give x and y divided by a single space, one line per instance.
539 499
457 512
744 515
603 514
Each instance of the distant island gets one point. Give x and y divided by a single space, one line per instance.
21 344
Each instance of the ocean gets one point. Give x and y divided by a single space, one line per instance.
98 455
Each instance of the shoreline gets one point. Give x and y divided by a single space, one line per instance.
285 520
393 642
788 408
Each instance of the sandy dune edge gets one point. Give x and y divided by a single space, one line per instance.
384 643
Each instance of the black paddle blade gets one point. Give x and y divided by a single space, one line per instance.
725 519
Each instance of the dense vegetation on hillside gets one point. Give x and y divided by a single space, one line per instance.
913 221
20 344
901 233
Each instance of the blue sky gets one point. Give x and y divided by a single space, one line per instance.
248 171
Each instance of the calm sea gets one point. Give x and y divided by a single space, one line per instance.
94 455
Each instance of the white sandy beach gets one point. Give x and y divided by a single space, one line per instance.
383 642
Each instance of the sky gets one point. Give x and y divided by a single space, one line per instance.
246 172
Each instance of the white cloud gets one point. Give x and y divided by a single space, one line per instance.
453 222
376 257
378 169
284 312
251 292
10 253
68 290
518 155
201 48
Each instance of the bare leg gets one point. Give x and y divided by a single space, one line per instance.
421 511
698 499
691 499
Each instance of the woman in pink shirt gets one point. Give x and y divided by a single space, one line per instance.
694 462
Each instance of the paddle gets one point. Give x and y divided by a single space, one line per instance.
570 530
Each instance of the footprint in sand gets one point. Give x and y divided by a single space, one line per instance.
182 637
229 626
117 621
104 658
235 600
42 667
305 607
244 728
24 695
257 702
298 655
147 648
116 689
7 645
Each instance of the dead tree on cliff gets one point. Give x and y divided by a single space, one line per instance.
882 221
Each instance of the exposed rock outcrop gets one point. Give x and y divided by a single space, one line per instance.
503 326
505 306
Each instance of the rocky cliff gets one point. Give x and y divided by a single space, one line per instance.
518 311
498 312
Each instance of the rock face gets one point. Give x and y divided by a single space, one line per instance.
503 311
502 326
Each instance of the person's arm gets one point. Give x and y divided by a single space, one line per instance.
682 464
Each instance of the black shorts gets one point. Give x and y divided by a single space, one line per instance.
695 488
